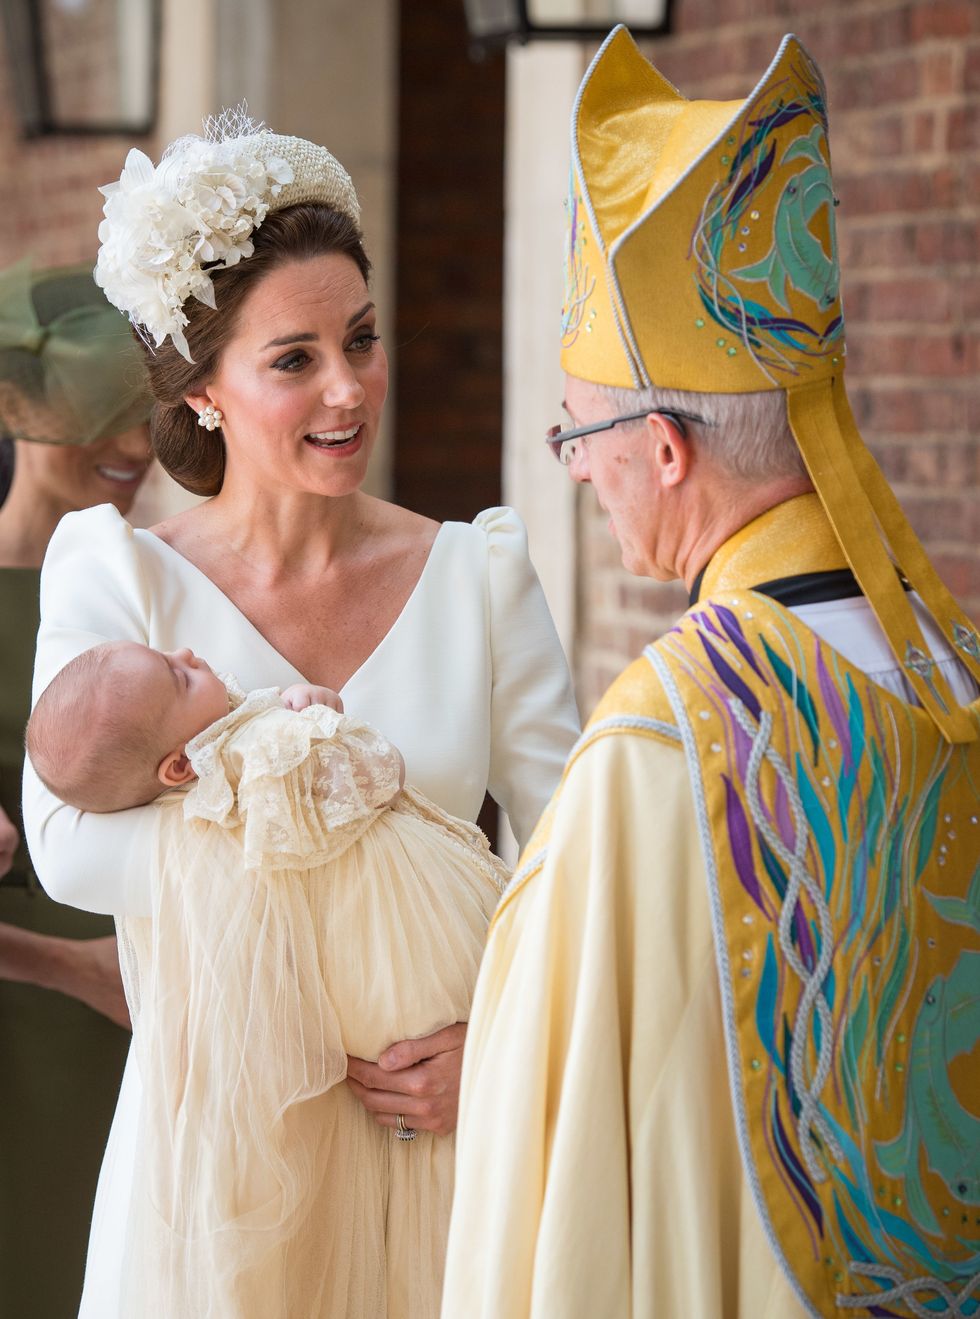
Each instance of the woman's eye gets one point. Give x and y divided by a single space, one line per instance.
363 343
292 361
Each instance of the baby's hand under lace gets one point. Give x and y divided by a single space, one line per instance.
303 694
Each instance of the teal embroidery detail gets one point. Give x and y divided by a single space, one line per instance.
751 300
797 257
960 911
947 1025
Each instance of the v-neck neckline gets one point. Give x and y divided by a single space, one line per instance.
368 659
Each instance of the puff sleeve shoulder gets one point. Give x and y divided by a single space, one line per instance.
91 591
534 718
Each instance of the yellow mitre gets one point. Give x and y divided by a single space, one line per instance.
702 256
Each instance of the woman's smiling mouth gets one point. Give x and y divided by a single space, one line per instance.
334 439
121 475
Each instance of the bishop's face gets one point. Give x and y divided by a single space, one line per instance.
621 465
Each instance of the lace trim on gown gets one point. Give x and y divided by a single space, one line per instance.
304 784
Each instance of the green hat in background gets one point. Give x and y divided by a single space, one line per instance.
70 370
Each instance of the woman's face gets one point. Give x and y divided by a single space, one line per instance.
302 382
78 476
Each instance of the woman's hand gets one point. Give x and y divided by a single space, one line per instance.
9 842
86 969
417 1078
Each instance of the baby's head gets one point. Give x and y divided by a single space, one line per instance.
109 731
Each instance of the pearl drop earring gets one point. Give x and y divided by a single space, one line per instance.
210 417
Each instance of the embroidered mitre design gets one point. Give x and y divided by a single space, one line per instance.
841 836
701 248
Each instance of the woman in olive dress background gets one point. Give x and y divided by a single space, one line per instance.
72 434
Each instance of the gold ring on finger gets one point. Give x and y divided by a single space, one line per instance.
402 1132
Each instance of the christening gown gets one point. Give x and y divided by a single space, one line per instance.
470 684
304 908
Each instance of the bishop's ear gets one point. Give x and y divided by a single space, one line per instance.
175 769
671 448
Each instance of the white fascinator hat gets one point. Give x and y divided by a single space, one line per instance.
168 228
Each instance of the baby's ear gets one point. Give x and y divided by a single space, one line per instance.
175 769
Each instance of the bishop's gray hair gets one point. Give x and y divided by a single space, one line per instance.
750 438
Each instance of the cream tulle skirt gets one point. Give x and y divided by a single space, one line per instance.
263 1190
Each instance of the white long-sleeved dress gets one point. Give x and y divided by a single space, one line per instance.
470 683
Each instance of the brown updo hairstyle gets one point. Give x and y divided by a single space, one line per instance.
195 457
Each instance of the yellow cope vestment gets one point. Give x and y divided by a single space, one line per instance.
819 860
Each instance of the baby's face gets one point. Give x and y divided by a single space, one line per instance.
183 692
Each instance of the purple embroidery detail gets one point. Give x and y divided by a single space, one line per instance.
835 708
751 181
743 748
730 678
804 939
734 629
796 1170
740 838
706 621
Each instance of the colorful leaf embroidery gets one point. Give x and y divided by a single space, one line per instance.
854 1035
733 627
798 693
850 823
797 1173
765 1004
730 678
740 838
893 987
819 824
927 828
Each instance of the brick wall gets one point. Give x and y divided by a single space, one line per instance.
449 267
904 92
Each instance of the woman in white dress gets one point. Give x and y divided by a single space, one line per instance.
270 383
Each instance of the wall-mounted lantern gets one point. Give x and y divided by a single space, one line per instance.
495 23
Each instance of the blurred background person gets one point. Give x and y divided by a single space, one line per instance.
72 434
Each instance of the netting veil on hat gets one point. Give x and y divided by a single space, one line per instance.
166 229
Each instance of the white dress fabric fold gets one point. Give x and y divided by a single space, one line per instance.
304 908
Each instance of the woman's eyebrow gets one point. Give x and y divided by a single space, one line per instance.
290 338
312 338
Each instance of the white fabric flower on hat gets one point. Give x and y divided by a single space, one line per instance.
165 228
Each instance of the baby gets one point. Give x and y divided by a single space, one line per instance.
306 906
111 730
